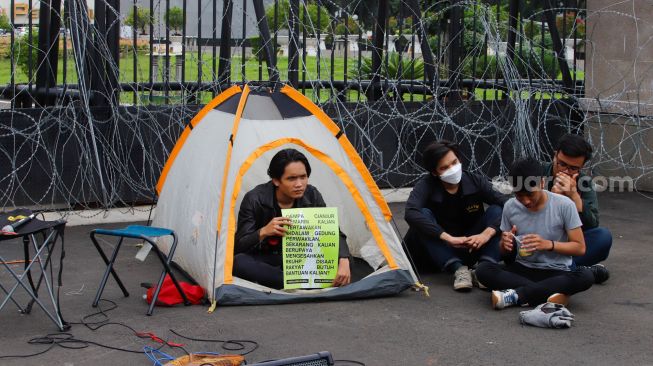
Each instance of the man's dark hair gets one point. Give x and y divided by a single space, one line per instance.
284 157
575 146
525 174
435 152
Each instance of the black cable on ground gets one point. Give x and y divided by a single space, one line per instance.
348 362
231 345
68 341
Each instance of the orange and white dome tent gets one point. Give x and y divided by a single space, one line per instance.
225 151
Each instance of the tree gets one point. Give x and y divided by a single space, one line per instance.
26 51
367 11
175 19
143 19
4 22
350 27
531 8
570 25
406 25
283 15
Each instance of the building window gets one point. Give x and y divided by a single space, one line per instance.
20 9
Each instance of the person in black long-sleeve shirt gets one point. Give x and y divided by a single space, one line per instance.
260 224
446 214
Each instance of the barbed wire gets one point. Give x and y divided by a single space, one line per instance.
74 155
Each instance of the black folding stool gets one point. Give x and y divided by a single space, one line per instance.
51 232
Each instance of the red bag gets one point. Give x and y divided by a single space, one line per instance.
169 296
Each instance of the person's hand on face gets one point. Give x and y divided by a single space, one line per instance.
564 184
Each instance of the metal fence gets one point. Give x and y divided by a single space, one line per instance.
350 51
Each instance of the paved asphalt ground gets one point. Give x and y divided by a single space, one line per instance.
614 321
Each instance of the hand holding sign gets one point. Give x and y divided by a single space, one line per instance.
278 226
310 249
343 277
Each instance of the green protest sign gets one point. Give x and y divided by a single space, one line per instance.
310 247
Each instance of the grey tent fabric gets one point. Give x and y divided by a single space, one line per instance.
383 284
261 107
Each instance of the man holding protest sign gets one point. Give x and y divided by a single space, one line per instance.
261 226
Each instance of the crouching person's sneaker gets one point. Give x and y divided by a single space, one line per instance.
462 279
600 272
503 299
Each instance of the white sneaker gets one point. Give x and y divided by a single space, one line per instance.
504 299
462 279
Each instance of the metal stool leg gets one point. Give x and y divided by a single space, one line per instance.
157 289
20 308
47 245
28 308
174 279
165 261
109 263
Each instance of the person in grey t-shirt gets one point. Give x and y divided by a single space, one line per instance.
541 231
558 213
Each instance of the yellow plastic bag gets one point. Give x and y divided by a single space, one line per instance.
197 359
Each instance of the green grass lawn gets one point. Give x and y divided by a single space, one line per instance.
248 71
192 69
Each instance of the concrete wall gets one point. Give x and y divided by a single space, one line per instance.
619 52
623 146
619 89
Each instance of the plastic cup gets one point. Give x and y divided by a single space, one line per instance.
522 252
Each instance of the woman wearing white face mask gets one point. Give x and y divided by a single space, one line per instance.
449 226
